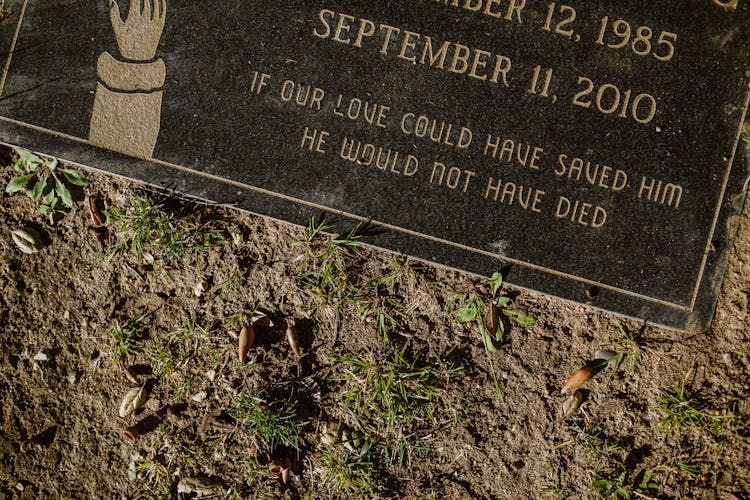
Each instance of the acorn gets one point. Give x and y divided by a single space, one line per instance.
247 337
577 379
293 339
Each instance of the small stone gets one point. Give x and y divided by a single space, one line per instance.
40 356
200 397
605 355
211 375
727 358
200 288
72 378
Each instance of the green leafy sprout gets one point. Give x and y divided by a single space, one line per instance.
471 308
45 182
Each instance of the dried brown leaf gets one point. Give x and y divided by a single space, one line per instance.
133 400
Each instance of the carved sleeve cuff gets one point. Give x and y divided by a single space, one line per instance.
130 76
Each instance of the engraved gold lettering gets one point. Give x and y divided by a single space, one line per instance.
414 47
490 8
525 154
525 197
603 176
385 159
502 66
493 13
579 212
437 131
302 95
314 140
515 6
343 26
389 31
479 62
455 178
433 57
663 193
324 14
356 109
366 29
409 44
460 61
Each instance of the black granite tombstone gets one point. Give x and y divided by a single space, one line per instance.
593 149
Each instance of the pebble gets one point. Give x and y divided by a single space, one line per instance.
727 357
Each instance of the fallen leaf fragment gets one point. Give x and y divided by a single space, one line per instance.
247 337
329 434
133 400
26 239
130 433
201 487
577 379
293 339
571 405
491 319
96 215
283 469
262 320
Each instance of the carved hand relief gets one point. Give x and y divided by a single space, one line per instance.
127 107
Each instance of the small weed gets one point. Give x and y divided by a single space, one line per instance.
127 338
256 472
146 226
45 183
275 422
470 308
156 478
627 348
592 438
182 344
616 487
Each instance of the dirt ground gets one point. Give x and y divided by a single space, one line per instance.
391 395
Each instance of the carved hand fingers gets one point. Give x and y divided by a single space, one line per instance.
138 36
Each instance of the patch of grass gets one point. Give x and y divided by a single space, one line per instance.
592 438
182 344
396 389
389 398
156 478
617 487
349 471
324 269
45 183
148 227
684 412
127 339
270 424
